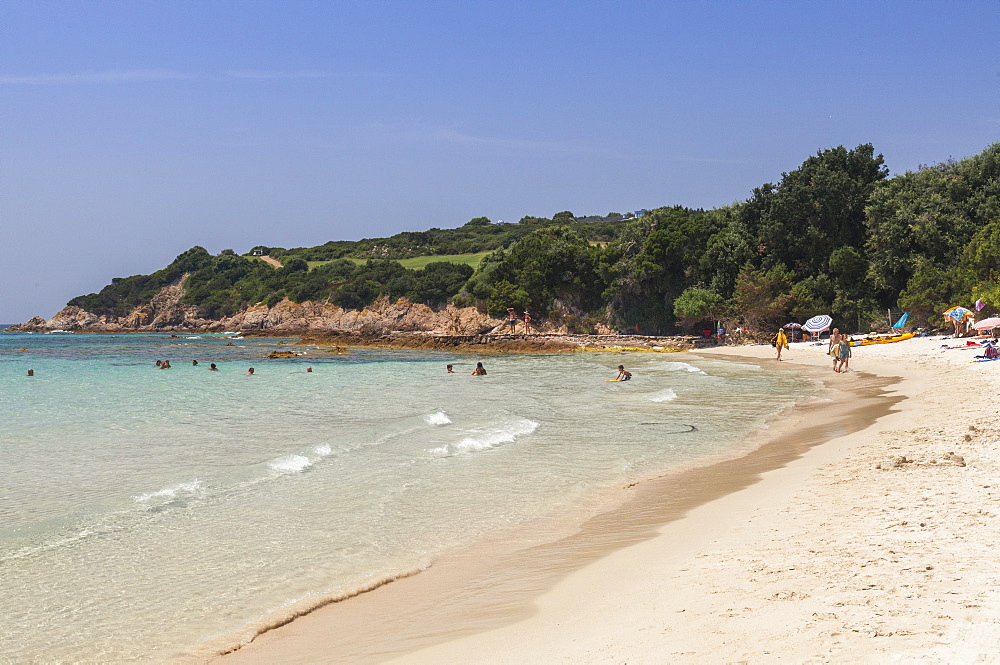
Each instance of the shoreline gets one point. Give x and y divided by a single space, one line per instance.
431 341
489 587
875 547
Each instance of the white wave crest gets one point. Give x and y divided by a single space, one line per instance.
505 433
169 492
290 463
676 367
665 395
439 418
323 450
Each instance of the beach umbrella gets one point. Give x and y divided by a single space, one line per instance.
792 325
959 314
988 324
818 324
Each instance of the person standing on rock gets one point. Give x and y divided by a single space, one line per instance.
512 320
527 322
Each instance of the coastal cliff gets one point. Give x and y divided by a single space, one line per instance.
166 312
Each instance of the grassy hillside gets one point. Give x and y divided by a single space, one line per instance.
420 262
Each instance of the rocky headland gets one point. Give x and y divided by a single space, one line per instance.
385 324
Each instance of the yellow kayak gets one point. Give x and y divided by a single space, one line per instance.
881 340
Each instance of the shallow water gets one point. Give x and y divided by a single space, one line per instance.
146 513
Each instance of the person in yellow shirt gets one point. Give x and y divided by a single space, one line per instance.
780 342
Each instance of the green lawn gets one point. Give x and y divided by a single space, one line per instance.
419 262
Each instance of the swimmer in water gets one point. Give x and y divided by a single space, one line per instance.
479 371
623 374
213 368
309 369
249 371
31 372
451 370
194 363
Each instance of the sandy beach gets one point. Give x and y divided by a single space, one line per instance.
876 545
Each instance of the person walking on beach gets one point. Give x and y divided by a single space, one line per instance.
479 371
833 348
780 342
845 354
512 320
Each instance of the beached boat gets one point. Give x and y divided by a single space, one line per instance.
882 340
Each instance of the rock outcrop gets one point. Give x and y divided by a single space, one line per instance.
166 312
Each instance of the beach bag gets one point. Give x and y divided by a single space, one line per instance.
835 350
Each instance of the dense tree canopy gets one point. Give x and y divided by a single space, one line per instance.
836 236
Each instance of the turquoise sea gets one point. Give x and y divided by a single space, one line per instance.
152 515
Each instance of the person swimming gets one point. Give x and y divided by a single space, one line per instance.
623 374
479 371
213 368
194 363
249 371
450 370
31 372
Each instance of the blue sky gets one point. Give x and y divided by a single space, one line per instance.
132 131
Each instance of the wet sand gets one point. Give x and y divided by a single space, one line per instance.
545 592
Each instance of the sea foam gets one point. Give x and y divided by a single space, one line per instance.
676 367
290 463
438 418
505 433
170 492
665 395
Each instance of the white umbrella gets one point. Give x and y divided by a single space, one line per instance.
818 324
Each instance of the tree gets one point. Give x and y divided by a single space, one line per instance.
762 298
697 304
506 295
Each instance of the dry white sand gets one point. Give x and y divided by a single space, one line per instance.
874 547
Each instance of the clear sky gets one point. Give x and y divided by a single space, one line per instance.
132 131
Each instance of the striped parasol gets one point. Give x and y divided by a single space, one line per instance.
818 324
